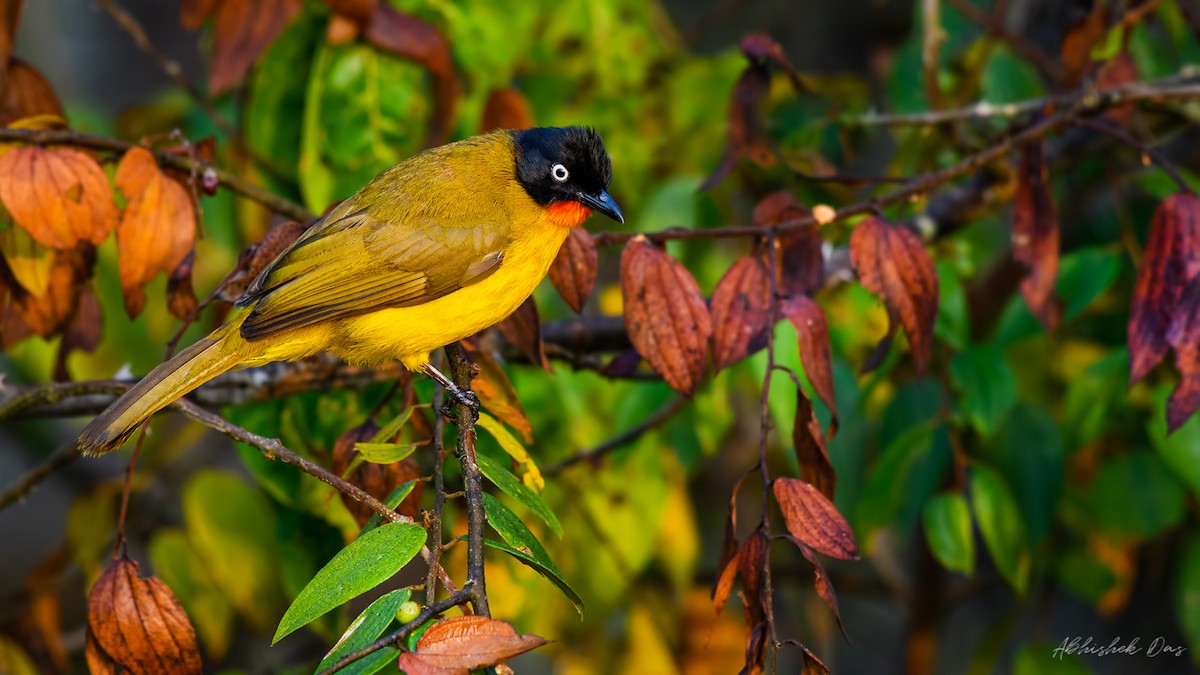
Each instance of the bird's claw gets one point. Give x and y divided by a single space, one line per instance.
460 396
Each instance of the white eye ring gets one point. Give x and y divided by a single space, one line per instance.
559 172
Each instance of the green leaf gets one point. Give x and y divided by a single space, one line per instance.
1084 575
1028 452
531 477
512 487
366 629
232 529
367 562
515 532
393 426
1092 397
541 569
384 453
1136 495
948 531
1000 523
1180 450
887 485
986 384
953 324
393 500
1083 276
1187 592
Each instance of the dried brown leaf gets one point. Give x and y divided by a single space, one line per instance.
1171 260
497 394
800 262
740 311
256 257
82 332
812 330
752 563
27 93
665 314
892 263
181 297
411 38
506 108
746 135
1035 235
192 13
241 32
138 624
378 480
10 17
1184 336
1117 72
574 269
463 643
814 520
1081 36
59 195
724 584
523 329
357 10
157 228
759 47
823 584
811 454
47 314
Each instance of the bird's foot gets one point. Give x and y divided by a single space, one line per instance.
460 396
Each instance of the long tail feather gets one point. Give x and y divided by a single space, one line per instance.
176 377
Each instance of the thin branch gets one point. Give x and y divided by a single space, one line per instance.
656 419
461 369
1145 150
183 163
439 498
431 610
26 483
994 25
1172 87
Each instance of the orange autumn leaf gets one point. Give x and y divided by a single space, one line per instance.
460 644
59 195
157 228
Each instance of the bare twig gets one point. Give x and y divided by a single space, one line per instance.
994 25
461 370
1116 132
431 610
184 163
26 483
656 419
439 496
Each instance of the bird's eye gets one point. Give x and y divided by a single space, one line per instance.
559 172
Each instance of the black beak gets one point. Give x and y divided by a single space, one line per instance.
604 203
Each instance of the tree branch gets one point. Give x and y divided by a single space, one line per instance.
461 370
184 163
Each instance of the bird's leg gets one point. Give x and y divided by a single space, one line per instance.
463 396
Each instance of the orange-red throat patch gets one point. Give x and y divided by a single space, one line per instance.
568 214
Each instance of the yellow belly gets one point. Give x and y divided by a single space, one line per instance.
410 333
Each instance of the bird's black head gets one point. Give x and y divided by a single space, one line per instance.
562 165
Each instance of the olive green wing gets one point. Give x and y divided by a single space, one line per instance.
352 263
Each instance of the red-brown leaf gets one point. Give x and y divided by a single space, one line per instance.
746 136
800 263
814 520
181 297
506 109
1171 260
811 454
665 314
1081 36
574 269
82 332
59 195
463 643
158 225
740 311
752 562
724 584
27 93
192 13
759 47
257 256
411 38
823 584
241 32
377 479
138 624
497 394
1035 235
1118 71
523 328
812 330
892 263
1184 336
10 16
358 10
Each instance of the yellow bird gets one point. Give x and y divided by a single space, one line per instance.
431 251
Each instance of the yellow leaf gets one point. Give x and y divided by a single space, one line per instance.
530 475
